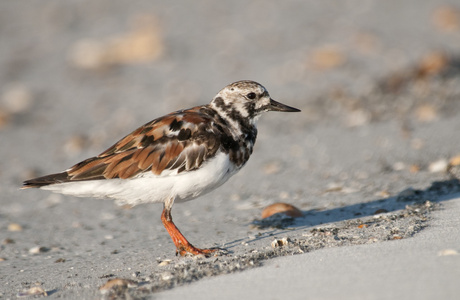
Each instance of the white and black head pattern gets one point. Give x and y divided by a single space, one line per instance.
235 110
241 103
242 100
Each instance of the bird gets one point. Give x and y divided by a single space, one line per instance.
174 158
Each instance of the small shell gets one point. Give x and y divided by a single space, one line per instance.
14 227
118 283
33 291
284 208
38 250
438 166
455 161
280 243
165 262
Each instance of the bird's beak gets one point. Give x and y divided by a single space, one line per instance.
276 106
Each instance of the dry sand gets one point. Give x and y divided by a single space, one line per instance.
426 266
367 160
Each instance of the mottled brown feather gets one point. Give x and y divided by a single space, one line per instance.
142 157
155 158
84 167
163 162
157 146
194 118
149 159
93 173
117 168
130 171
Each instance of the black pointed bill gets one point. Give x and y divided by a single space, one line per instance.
276 106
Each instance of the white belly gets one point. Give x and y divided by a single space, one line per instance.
148 187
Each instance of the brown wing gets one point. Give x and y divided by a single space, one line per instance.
179 142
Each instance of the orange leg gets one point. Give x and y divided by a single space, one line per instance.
182 245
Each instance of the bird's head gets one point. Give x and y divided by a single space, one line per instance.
246 99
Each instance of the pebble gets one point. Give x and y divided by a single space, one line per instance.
438 166
118 283
14 227
38 250
414 168
280 243
282 208
455 161
34 291
164 262
136 274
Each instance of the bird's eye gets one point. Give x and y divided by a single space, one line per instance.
251 96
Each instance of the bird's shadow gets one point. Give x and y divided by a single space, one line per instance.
438 191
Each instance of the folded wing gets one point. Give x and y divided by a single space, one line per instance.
166 146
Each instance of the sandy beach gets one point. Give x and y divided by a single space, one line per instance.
372 161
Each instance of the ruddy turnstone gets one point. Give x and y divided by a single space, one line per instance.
174 158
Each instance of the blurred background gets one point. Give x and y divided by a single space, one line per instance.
75 76
378 83
113 63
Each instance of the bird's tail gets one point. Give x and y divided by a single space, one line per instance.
46 180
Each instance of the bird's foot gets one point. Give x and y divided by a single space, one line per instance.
189 249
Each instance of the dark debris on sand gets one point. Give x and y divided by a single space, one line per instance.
383 227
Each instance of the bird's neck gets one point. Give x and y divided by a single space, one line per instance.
237 134
236 119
